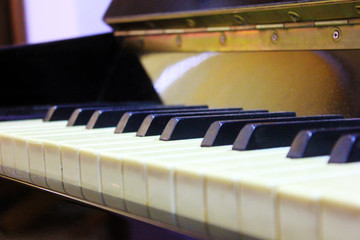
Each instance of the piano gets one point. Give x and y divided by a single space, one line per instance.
211 119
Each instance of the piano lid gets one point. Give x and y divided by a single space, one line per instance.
150 14
236 25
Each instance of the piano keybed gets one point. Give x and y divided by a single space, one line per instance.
214 192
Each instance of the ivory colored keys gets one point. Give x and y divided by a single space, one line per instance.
147 169
322 209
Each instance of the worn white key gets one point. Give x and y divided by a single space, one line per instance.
320 209
34 145
257 196
89 159
28 155
190 181
7 146
53 162
340 215
160 174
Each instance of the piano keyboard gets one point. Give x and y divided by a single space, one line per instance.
240 183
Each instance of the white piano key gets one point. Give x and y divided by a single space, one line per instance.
257 196
112 185
7 157
53 161
321 209
52 152
89 156
70 157
29 144
160 173
7 146
71 171
36 163
190 181
20 142
340 215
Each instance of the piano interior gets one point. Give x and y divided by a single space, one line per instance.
193 119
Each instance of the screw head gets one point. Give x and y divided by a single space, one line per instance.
336 35
178 41
222 38
275 37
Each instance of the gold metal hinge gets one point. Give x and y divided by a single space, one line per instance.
317 35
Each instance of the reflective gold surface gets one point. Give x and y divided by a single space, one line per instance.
308 82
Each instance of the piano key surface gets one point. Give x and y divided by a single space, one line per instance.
215 192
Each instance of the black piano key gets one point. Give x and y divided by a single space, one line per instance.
346 149
110 118
131 121
154 124
317 142
269 135
196 127
225 132
81 116
64 111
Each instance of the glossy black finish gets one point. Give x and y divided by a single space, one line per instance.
24 112
225 132
155 124
131 121
346 149
120 8
86 69
196 127
269 135
317 142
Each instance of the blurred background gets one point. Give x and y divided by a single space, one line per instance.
36 21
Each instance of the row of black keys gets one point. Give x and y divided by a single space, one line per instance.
246 130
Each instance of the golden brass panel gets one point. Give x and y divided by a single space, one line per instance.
308 82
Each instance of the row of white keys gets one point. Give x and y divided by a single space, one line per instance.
117 158
145 177
90 159
162 178
37 152
42 149
37 141
15 144
68 152
14 128
207 182
324 209
258 195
